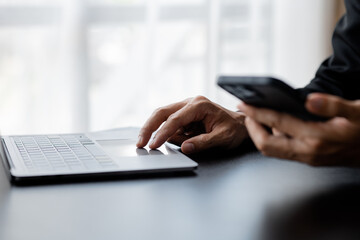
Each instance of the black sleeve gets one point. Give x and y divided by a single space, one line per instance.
340 74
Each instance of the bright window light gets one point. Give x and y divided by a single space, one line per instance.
89 65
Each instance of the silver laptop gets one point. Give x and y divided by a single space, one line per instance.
31 158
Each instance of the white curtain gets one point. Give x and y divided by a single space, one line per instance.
76 65
301 38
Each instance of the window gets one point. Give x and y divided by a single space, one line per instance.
90 65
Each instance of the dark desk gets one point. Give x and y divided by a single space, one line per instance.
240 195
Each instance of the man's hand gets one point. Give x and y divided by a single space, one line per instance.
196 124
334 142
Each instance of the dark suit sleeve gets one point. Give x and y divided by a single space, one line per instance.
340 74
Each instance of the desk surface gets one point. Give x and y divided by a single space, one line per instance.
233 195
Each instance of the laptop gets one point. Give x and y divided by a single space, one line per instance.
34 158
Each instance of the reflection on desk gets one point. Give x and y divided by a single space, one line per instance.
330 215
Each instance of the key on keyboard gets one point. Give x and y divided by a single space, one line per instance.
61 153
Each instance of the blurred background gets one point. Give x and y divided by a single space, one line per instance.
84 65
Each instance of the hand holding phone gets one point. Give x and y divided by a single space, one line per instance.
267 92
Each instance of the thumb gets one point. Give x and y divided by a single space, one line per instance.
332 106
200 143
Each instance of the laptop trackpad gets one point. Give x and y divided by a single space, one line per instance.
126 148
129 157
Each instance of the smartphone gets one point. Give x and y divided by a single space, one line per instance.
268 92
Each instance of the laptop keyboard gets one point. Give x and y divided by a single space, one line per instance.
61 153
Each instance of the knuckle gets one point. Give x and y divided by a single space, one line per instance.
356 110
266 149
228 136
317 145
275 121
356 104
247 120
227 132
340 103
335 101
160 111
203 139
200 103
200 98
174 118
337 107
262 145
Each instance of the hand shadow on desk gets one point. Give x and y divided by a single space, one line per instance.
331 215
216 156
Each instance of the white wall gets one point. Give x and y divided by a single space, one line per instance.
301 39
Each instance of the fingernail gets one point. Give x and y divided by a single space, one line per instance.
188 147
317 103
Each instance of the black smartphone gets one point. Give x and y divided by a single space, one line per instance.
268 92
